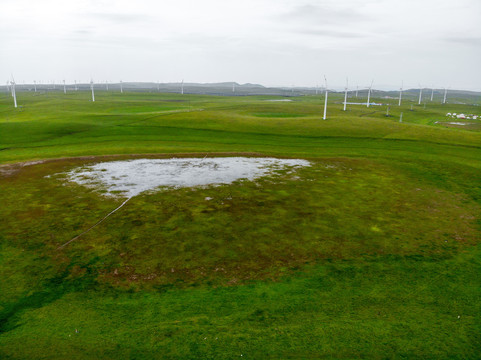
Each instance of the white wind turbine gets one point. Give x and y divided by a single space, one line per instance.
325 101
121 88
420 94
357 90
401 93
76 88
158 86
35 85
92 88
64 88
13 92
432 94
369 94
233 87
445 94
182 87
345 94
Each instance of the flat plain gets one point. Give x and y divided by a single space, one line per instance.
373 251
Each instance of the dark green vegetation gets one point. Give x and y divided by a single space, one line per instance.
372 252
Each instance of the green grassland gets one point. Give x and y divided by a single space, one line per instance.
374 251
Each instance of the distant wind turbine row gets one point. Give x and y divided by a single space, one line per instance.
11 89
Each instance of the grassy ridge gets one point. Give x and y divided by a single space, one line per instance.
203 123
372 252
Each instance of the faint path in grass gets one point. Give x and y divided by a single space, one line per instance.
155 114
369 113
96 224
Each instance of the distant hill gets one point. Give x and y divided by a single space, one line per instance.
236 89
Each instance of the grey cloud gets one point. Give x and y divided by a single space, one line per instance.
119 18
319 14
82 32
332 33
473 41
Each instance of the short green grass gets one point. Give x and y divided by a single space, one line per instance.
371 252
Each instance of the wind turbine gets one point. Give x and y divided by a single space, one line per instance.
64 88
369 94
158 86
445 94
35 85
317 88
420 94
182 87
121 88
401 93
432 94
325 102
345 94
92 88
107 85
13 92
76 88
357 89
233 87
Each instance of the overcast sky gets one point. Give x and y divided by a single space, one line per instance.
270 42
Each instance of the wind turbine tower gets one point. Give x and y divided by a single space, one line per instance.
64 88
369 94
357 90
92 88
121 88
401 93
432 94
325 101
158 86
420 94
35 85
445 94
345 94
13 93
182 87
233 87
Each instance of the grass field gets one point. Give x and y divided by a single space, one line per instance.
371 252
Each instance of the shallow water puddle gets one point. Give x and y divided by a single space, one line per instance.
129 178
